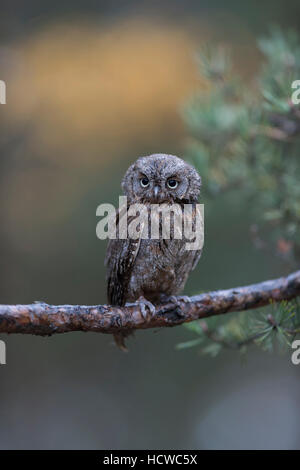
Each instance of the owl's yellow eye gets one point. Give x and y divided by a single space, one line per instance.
145 182
172 184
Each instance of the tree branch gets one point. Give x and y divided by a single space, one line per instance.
43 319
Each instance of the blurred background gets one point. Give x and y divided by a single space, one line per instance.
90 87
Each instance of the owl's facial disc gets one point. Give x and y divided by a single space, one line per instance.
161 178
158 189
159 184
152 189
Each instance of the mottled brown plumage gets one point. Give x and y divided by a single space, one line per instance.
145 269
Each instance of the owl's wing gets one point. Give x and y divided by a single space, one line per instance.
120 257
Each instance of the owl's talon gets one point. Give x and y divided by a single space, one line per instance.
144 304
176 299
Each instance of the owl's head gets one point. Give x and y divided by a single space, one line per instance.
161 178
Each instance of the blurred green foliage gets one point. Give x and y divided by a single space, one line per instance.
279 322
245 138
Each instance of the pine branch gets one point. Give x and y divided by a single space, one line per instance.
253 338
211 335
43 319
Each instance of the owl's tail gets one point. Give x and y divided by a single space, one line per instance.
120 340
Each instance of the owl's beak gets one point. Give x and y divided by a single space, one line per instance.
156 190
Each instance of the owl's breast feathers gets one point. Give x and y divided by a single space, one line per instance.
147 267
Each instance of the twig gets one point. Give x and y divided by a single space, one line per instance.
215 338
43 319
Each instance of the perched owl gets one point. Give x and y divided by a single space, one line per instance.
149 270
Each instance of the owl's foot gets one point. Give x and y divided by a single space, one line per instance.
175 299
144 304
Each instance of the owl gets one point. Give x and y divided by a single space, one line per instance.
149 271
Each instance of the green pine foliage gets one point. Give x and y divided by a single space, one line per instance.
278 325
246 138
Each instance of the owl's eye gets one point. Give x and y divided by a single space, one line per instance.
145 182
172 183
